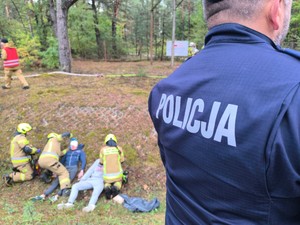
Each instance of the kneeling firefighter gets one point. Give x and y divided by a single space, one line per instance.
20 154
49 160
111 156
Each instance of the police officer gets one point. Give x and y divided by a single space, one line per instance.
228 121
49 160
111 156
20 153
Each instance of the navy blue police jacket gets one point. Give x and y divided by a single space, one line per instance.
228 131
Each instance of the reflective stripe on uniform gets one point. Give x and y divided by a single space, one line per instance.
11 63
49 154
17 160
111 151
22 176
113 175
65 181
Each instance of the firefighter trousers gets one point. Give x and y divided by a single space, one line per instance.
8 74
24 173
57 168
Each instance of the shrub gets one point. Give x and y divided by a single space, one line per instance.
50 56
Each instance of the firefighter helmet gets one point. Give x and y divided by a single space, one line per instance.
52 135
23 128
110 137
192 44
55 135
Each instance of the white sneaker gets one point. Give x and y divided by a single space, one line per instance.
89 208
61 206
69 205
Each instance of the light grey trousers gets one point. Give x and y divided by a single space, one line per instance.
91 183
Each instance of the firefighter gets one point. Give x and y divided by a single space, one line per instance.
49 160
11 64
111 156
20 153
192 50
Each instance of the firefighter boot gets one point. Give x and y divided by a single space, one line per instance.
107 192
114 191
7 180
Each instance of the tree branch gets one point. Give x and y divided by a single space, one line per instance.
155 5
179 4
68 3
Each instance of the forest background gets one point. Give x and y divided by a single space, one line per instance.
50 33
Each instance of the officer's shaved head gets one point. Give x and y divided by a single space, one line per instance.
216 11
241 11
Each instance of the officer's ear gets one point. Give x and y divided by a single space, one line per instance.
276 13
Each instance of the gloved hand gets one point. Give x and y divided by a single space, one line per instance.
66 134
38 151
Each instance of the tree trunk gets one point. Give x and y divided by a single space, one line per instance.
114 27
173 32
97 31
163 38
53 16
62 36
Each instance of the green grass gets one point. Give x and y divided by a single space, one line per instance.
90 108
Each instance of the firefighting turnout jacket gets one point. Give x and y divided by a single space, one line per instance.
10 57
53 149
228 124
111 158
17 154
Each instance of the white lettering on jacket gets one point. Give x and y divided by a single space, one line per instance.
169 109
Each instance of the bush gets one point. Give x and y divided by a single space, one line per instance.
28 50
50 56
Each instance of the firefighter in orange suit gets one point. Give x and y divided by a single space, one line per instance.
20 153
11 64
49 159
111 156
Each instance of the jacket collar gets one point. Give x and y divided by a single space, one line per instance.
233 32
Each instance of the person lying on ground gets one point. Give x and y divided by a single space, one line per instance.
92 179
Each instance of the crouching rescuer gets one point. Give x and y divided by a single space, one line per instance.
20 153
49 160
111 156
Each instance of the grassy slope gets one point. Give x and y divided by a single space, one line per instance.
90 107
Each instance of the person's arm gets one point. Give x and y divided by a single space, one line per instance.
101 156
63 152
26 147
121 154
82 158
3 54
283 150
162 153
90 170
63 159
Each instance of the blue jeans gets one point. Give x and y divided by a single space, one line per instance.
55 183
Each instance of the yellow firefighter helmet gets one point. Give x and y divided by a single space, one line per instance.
110 137
23 128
